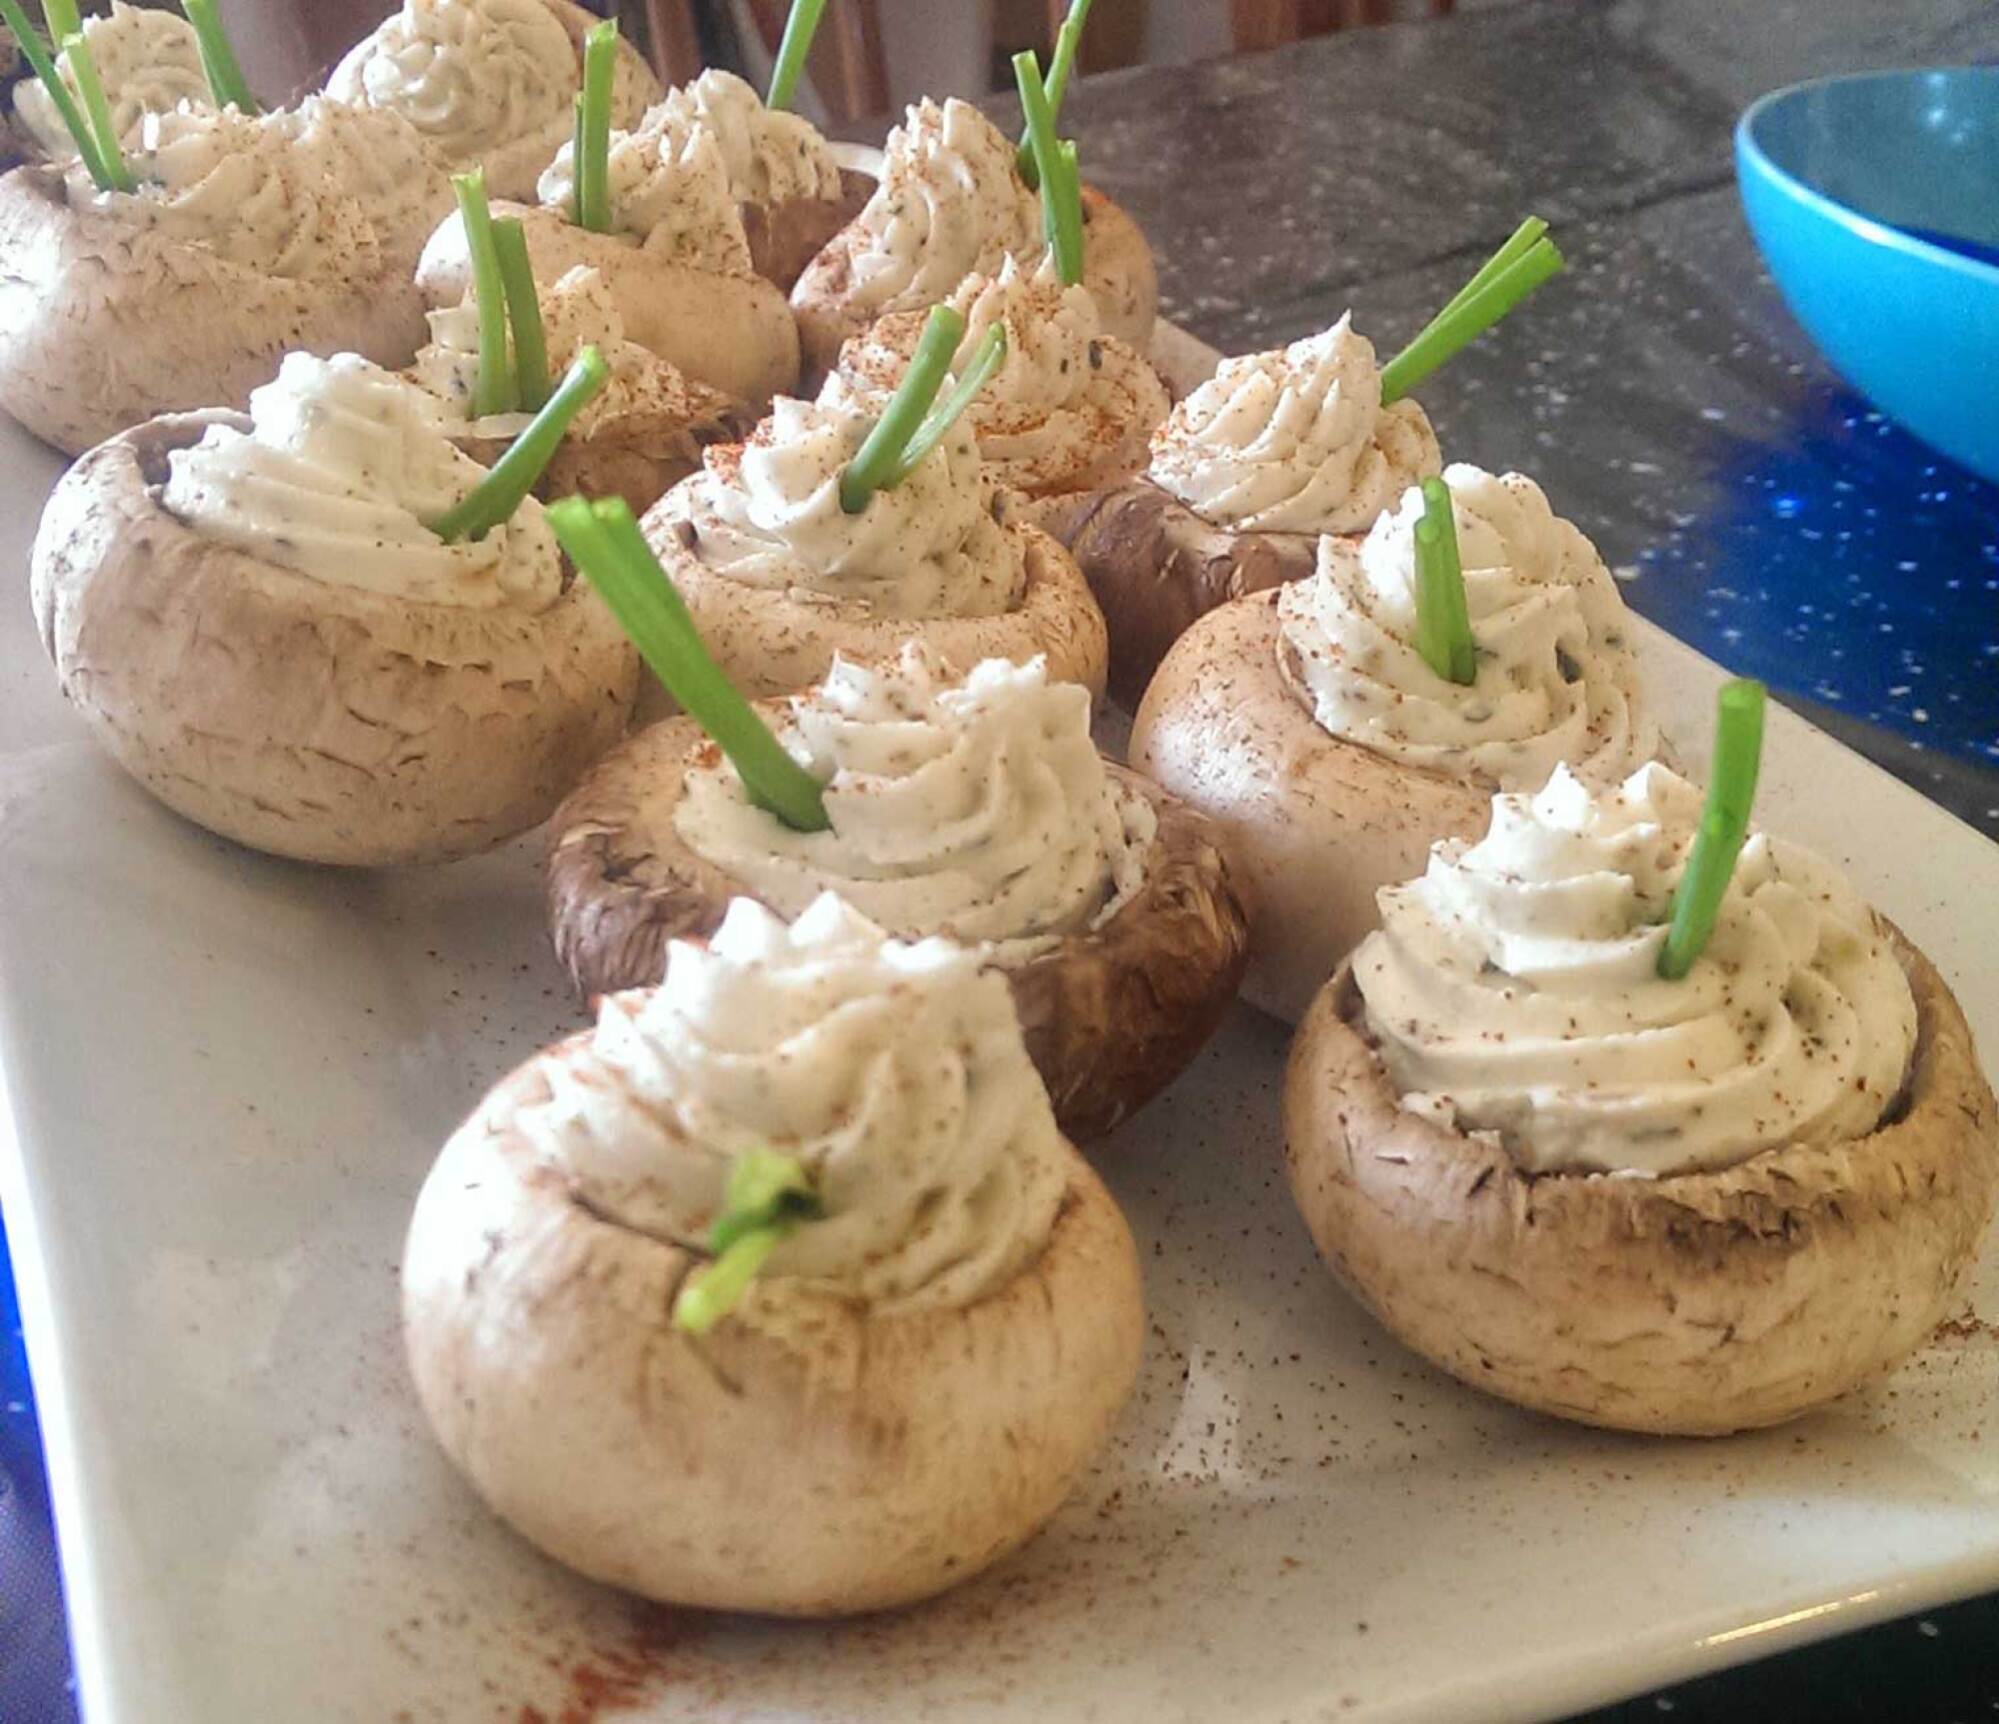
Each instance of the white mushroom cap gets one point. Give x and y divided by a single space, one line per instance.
1315 825
1694 1304
312 720
848 1437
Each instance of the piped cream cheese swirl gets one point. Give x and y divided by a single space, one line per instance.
1294 441
1063 401
1557 676
670 194
471 75
978 809
767 513
577 310
895 1073
343 465
770 155
950 204
240 189
1514 988
148 62
375 156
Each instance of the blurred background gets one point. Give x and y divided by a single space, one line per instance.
872 56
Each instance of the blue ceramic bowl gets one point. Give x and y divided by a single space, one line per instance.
1875 199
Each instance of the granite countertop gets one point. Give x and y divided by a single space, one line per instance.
1659 390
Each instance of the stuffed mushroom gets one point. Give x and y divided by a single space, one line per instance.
1685 1205
780 574
641 435
789 184
673 254
263 621
1071 409
1242 480
240 240
147 61
1307 721
490 83
945 1315
951 203
974 807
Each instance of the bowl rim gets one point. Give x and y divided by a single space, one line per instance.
1749 151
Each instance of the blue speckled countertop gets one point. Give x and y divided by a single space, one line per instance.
1659 389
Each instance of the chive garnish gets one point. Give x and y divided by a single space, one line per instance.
63 19
593 128
530 339
1068 39
1061 187
494 390
604 542
1443 620
792 50
1731 793
44 68
499 494
219 64
1522 264
83 69
987 358
875 465
768 1197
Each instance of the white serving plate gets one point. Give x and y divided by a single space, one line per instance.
227 1075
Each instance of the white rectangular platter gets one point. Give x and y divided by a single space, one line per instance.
224 1076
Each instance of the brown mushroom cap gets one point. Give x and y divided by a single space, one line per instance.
638 454
1111 1016
321 722
1117 269
1157 568
785 236
105 324
1316 825
733 332
1694 1304
772 642
811 1456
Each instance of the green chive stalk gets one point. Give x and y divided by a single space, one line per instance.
1519 243
495 389
1068 41
576 166
792 50
1527 260
62 18
219 64
874 466
83 71
769 1197
593 128
1443 620
987 358
1731 794
523 302
1061 190
604 542
59 93
495 498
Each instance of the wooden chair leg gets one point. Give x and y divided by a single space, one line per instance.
1258 24
858 74
676 40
